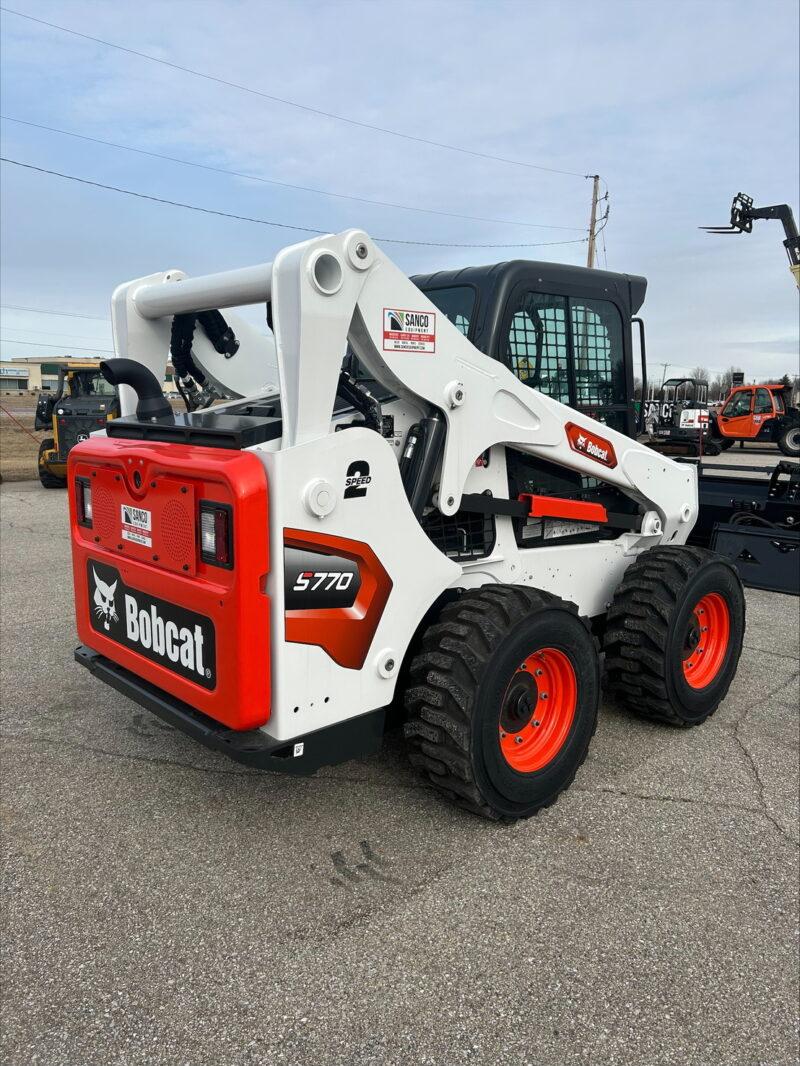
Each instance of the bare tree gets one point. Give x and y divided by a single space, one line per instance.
700 372
721 385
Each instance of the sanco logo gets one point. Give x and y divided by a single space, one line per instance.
591 445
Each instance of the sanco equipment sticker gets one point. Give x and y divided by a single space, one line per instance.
409 331
137 525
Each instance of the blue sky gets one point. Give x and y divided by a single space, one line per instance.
678 106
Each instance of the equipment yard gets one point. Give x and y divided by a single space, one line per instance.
166 905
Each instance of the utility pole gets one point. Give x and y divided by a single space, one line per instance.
593 223
664 375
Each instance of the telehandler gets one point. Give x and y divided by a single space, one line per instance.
758 413
415 517
82 401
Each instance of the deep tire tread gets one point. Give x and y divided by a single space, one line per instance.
48 480
454 654
637 627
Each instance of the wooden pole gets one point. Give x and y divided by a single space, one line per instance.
593 223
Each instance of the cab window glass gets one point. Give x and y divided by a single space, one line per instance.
537 344
598 353
89 385
763 404
457 303
779 404
737 405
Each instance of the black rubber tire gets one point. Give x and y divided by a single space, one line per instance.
48 480
725 443
457 683
711 447
789 440
646 626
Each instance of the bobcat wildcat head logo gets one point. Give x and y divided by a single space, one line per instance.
104 600
591 445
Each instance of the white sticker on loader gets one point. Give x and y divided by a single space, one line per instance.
409 331
554 528
136 525
693 417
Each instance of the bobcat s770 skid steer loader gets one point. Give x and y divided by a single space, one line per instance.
439 507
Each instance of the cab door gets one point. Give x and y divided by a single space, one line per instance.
736 419
571 348
763 412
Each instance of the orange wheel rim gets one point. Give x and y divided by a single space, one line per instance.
706 640
537 710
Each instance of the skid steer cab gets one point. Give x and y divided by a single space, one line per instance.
438 511
758 413
82 404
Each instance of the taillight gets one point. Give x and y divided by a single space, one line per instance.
83 501
216 533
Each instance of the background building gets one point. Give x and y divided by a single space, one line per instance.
35 373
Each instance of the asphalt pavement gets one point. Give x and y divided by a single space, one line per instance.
166 906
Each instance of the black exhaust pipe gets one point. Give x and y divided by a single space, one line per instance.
152 404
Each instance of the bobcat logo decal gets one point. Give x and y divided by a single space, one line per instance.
104 601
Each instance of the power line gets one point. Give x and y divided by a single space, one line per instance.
286 184
72 347
264 222
42 311
291 103
50 333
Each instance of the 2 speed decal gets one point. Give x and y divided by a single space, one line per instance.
357 479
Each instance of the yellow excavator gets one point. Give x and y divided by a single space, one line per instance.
82 402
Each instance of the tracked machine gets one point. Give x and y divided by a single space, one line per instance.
437 510
681 426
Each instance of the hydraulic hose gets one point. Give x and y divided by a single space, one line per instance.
434 432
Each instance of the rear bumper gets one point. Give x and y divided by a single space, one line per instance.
325 747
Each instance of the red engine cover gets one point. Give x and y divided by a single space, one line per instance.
146 599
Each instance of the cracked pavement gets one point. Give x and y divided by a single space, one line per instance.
167 906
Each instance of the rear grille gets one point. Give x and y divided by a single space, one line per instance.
177 531
462 536
104 513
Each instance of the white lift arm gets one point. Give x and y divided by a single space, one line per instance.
341 288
